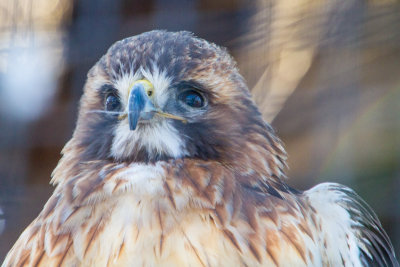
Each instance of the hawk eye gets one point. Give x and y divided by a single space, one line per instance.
112 102
192 98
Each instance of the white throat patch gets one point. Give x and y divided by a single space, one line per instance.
159 138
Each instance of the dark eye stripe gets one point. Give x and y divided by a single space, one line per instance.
183 85
107 89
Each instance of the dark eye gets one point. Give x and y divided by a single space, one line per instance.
192 98
112 103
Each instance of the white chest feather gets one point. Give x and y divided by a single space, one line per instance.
137 233
139 226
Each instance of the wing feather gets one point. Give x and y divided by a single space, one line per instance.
357 220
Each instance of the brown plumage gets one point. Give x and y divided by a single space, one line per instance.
204 190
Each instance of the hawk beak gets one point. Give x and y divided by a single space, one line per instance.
140 106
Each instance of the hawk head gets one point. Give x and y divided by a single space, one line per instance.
162 95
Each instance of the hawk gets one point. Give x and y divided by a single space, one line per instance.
171 164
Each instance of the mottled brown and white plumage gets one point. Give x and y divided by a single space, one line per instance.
206 190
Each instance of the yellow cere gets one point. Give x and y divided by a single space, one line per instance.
148 86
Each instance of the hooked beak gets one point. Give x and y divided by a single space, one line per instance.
140 106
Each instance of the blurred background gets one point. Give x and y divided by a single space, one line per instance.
325 73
